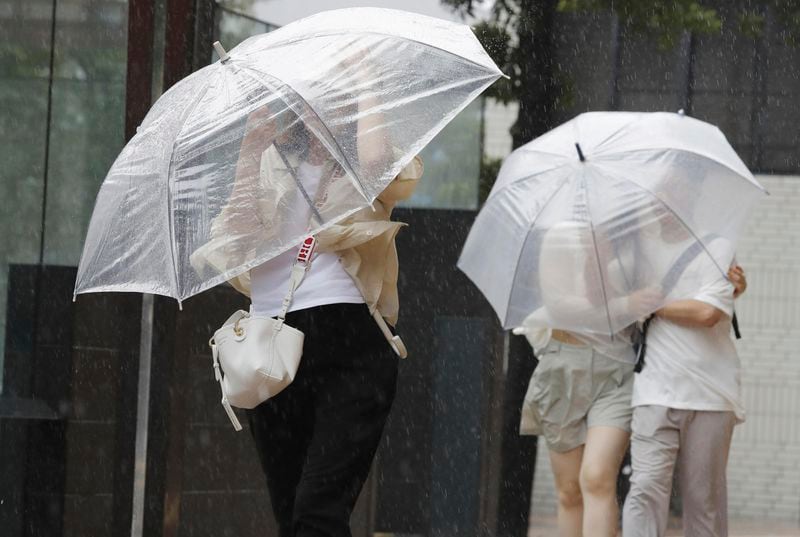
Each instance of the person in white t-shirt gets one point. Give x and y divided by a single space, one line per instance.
687 397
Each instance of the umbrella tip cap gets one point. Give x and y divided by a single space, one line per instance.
221 52
580 152
681 112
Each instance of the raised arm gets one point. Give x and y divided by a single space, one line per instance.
239 216
372 145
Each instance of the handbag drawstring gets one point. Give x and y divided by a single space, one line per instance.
218 375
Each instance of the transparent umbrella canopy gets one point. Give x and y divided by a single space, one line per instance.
210 185
606 218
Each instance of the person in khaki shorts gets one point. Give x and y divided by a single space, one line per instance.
579 396
579 401
686 402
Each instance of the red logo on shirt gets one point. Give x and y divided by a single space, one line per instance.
306 249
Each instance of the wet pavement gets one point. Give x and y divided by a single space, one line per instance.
546 527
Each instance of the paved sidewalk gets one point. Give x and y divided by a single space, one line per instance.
546 527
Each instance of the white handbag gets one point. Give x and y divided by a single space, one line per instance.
255 358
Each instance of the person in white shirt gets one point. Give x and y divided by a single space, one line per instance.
686 399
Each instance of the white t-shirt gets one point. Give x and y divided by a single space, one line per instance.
326 281
693 368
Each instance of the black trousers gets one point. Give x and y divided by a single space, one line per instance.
317 438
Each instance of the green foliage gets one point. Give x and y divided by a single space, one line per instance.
466 7
664 19
787 13
21 60
499 35
490 168
518 37
241 6
667 19
751 23
497 41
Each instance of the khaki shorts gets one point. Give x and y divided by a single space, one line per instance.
572 389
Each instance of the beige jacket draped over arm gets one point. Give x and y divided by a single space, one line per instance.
365 242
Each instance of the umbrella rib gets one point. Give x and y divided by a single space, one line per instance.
101 242
428 93
389 36
550 153
530 227
173 242
597 257
524 178
303 191
346 163
600 144
698 154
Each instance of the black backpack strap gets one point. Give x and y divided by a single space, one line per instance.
641 344
735 323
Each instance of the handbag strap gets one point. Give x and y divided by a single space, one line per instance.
225 403
301 265
303 261
395 342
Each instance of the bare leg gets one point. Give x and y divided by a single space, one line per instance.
566 470
602 456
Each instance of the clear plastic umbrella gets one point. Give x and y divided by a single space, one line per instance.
607 218
212 184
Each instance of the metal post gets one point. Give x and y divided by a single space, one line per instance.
138 98
142 416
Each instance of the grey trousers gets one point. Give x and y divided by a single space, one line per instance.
699 442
